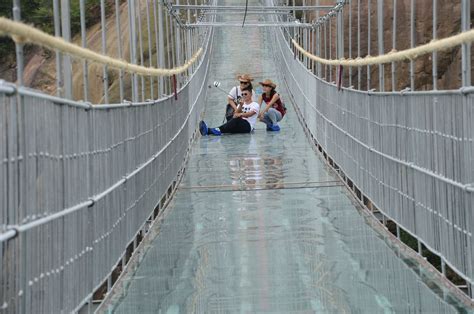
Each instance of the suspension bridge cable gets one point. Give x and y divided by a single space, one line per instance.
394 55
245 13
22 33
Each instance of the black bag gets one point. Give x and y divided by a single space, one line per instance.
229 110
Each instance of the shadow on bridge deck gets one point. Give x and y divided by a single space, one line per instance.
259 224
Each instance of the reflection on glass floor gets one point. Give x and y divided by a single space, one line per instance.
259 225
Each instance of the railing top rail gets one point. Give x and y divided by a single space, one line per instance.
227 24
253 8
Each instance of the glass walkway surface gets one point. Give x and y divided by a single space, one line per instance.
259 223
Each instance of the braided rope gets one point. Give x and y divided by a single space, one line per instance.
22 33
392 56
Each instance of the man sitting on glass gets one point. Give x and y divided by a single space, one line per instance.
243 121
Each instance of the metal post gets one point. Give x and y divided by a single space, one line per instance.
301 41
57 33
174 44
412 43
194 30
85 68
150 63
350 40
340 44
157 47
318 41
380 42
394 43
368 42
188 13
434 56
105 76
307 32
330 47
171 42
192 45
294 9
178 40
304 12
22 284
18 46
66 32
189 41
160 44
314 48
466 48
119 46
325 51
133 47
317 44
169 60
140 46
304 44
358 44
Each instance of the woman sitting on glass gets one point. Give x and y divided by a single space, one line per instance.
274 109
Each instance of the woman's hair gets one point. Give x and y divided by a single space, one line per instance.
272 90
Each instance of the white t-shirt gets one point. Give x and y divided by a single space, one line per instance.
237 92
254 107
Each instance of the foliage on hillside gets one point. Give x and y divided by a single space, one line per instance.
40 14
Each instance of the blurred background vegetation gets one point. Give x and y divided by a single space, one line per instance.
40 14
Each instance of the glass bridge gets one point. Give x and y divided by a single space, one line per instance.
260 224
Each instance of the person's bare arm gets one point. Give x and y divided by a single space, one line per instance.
239 106
271 102
245 115
269 105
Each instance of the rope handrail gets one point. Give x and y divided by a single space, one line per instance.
22 33
392 56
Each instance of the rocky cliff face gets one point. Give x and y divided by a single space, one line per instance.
40 69
448 24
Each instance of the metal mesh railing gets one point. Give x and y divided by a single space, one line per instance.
78 182
411 153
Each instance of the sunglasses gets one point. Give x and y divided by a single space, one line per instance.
265 85
243 82
245 94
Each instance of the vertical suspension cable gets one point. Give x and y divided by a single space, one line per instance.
245 13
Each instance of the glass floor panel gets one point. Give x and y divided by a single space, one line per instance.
260 225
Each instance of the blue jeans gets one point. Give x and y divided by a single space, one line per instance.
271 117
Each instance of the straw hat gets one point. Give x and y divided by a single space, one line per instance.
268 82
245 78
